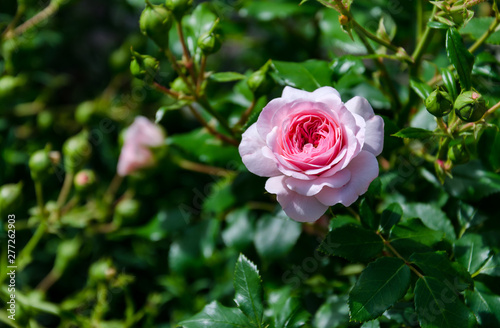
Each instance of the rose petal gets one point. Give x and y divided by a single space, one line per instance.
298 207
374 135
360 106
251 154
311 188
364 169
291 94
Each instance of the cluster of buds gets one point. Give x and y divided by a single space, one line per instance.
469 106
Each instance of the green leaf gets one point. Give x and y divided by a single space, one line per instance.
488 146
371 324
379 286
333 313
276 235
353 243
472 182
248 290
477 26
413 236
265 11
431 215
240 229
368 217
422 89
227 77
198 22
438 25
485 305
492 266
414 133
437 265
308 75
449 82
403 313
471 252
286 310
390 216
438 306
215 315
459 57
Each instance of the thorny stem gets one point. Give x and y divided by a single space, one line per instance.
48 11
210 128
395 252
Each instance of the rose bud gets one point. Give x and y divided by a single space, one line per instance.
458 154
144 67
439 103
11 197
260 82
126 211
76 151
136 152
40 165
102 270
84 180
84 112
470 106
178 7
180 86
209 42
155 23
316 150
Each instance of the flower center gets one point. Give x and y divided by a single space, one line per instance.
307 133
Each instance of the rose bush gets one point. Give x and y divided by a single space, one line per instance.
136 152
316 150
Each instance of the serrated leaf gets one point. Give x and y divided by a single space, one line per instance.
248 290
390 216
437 265
472 182
459 57
215 315
485 305
471 252
308 75
422 89
276 235
431 215
353 243
379 286
367 215
438 306
449 82
413 133
413 236
227 77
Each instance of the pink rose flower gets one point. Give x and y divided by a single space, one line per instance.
139 138
316 150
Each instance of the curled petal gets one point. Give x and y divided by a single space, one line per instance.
251 152
311 188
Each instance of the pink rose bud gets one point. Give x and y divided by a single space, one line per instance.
316 150
136 152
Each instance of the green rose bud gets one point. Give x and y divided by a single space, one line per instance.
11 197
458 154
209 43
178 7
127 211
439 103
76 151
102 270
40 165
155 23
470 106
84 180
144 66
260 82
180 86
84 112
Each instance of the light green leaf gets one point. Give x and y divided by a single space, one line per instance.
471 252
449 82
240 229
308 75
248 290
215 315
286 310
227 77
353 243
459 57
379 286
333 313
371 324
485 305
422 89
413 133
477 26
492 266
438 306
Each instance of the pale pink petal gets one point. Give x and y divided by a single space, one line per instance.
311 188
251 154
364 169
291 94
144 132
264 122
374 135
360 106
298 207
133 158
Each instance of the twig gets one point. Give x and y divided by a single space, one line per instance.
210 129
48 11
202 168
395 252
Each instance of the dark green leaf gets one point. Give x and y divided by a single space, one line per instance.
492 266
437 305
438 25
215 315
353 243
488 147
413 236
472 182
240 229
415 133
227 77
484 304
248 290
471 252
276 235
308 75
333 313
390 216
437 265
341 220
431 215
403 313
286 310
368 217
379 286
459 57
422 89
371 324
449 82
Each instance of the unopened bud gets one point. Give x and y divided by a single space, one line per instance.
470 106
102 270
11 197
178 7
40 165
439 103
260 82
127 211
458 154
180 86
209 42
155 23
84 180
144 66
76 150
